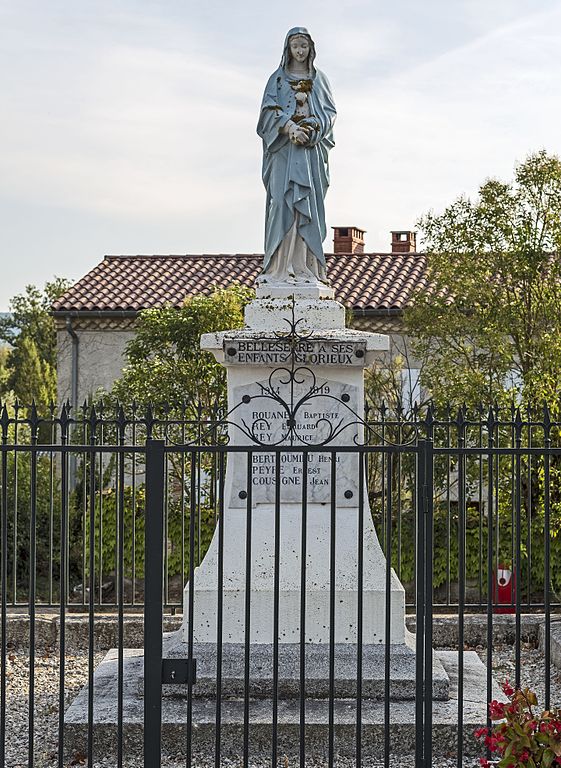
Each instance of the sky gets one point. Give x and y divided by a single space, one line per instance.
128 126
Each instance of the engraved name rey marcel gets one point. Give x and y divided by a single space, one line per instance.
280 352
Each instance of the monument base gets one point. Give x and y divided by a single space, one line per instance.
260 718
275 289
317 682
296 380
311 314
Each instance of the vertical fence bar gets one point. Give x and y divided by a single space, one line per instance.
513 443
518 546
529 516
100 503
332 586
420 607
220 611
182 502
191 605
86 475
480 507
4 588
547 552
428 514
362 457
153 607
490 540
120 546
91 605
133 510
461 579
51 506
448 514
63 588
276 607
303 563
15 508
247 628
32 586
166 529
388 609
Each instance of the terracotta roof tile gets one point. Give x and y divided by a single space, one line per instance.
362 281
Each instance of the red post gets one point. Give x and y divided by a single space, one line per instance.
504 590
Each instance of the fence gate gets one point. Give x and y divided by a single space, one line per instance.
325 713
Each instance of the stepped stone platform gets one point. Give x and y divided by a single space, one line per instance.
174 708
317 683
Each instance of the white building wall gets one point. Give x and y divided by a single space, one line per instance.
101 357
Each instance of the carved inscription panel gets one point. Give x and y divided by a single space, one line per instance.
305 351
326 413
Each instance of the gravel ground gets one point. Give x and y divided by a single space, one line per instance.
46 708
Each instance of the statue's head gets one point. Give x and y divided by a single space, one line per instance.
299 46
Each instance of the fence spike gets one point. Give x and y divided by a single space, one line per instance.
430 412
546 417
121 418
93 419
34 416
64 420
5 422
491 421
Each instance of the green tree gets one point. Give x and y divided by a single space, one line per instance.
165 361
489 323
30 366
4 352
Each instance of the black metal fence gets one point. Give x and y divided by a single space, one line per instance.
489 493
116 511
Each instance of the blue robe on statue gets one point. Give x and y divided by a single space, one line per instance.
295 176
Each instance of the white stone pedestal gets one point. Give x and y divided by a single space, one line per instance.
332 360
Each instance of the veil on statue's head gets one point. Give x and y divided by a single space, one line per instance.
296 31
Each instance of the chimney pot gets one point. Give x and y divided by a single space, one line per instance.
348 239
404 241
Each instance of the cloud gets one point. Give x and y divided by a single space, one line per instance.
420 138
144 121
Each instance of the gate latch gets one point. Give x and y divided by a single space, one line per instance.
179 671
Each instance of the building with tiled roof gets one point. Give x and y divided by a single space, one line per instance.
96 316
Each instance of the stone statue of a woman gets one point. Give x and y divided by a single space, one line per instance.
296 125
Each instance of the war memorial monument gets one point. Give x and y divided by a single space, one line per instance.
314 576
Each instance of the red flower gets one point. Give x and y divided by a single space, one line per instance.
507 688
492 742
484 762
480 732
496 710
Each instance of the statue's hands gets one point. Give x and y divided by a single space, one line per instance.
298 135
